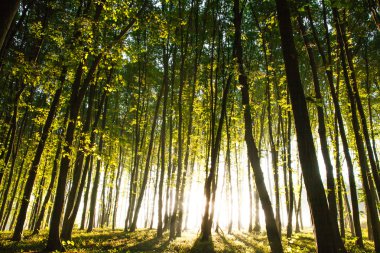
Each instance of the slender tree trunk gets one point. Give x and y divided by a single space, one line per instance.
257 227
89 162
273 147
298 208
334 94
174 217
94 191
54 173
207 220
156 182
273 234
170 169
138 142
76 98
339 180
238 188
229 174
250 228
16 189
187 153
183 53
119 175
36 161
347 203
37 201
289 229
331 195
163 140
9 181
365 173
363 119
78 172
7 14
146 170
103 198
369 102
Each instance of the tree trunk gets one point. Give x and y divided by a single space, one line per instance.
229 175
89 162
7 14
94 191
273 234
207 218
339 181
16 190
36 161
289 229
250 228
369 102
77 170
103 198
183 53
327 241
334 94
9 181
298 207
322 131
118 183
187 152
54 172
76 98
132 227
165 55
356 95
365 173
37 201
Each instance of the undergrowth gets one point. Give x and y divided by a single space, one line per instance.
145 241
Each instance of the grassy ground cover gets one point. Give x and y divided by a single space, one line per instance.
145 241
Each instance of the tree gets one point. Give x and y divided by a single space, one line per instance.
272 231
324 228
36 161
7 14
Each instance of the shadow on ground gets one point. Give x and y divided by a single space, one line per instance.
200 246
144 240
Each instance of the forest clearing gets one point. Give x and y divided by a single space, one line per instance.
190 126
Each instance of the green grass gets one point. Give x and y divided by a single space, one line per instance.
145 241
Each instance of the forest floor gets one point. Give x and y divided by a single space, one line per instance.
145 241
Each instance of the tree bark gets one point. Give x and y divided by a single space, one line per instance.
132 227
322 131
94 191
118 184
324 229
165 56
89 163
36 161
54 173
289 228
334 94
207 218
272 232
7 14
77 170
76 98
365 173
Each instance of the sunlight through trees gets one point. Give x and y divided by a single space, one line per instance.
205 117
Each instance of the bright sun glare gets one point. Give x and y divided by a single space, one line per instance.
195 200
